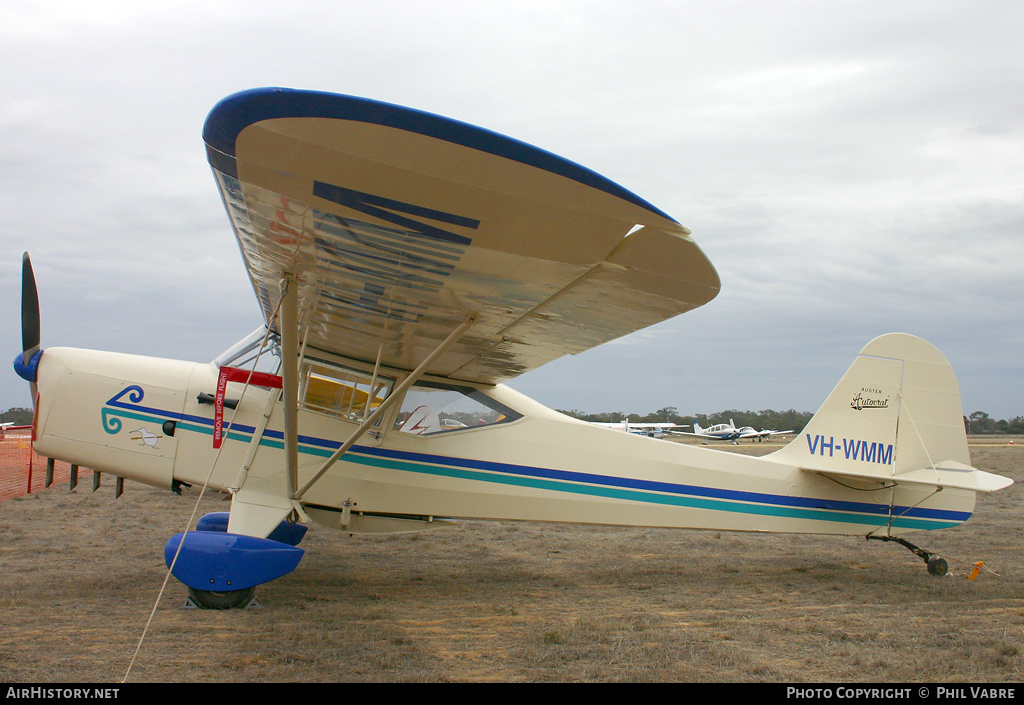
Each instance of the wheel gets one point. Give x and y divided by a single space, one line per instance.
229 599
938 566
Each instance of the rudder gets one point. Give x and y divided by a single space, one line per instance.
897 409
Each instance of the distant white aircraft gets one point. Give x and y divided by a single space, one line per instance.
750 432
653 430
729 432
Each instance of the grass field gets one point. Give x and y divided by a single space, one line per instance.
514 602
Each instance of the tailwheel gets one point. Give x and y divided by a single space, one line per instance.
937 566
226 600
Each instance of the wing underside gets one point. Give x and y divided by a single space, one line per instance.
400 225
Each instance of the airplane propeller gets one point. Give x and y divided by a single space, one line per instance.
29 309
26 362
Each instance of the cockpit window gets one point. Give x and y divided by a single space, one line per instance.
342 391
430 408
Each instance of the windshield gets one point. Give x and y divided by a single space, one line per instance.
431 408
248 348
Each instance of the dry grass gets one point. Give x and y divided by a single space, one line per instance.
514 602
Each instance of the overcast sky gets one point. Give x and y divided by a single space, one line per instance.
851 169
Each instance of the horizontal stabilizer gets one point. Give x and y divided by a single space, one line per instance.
947 474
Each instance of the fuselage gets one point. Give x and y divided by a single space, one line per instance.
497 454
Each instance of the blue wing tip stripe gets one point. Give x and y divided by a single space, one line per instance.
236 112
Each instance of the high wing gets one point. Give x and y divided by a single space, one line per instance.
766 433
641 428
624 425
399 226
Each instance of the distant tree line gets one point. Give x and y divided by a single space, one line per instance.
978 422
789 420
981 423
18 415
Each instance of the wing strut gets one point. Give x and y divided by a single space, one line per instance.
290 376
396 394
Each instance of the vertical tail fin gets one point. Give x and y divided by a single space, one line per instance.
696 427
896 410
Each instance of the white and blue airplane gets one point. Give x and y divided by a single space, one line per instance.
407 267
729 432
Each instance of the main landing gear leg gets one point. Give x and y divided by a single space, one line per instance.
936 566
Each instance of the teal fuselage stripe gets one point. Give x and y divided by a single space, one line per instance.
648 497
500 478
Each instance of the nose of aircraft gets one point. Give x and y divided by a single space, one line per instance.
27 371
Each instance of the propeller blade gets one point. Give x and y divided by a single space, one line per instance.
29 310
23 364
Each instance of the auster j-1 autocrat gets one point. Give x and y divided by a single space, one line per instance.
408 266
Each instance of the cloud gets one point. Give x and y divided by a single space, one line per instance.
851 169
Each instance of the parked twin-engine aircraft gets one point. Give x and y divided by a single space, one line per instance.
718 432
729 432
409 265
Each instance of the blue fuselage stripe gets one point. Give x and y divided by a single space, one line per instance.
631 489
